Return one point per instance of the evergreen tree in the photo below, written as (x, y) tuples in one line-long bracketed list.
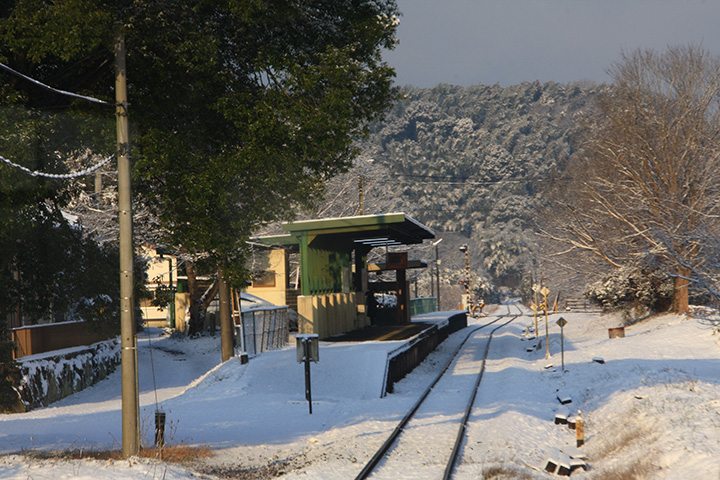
[(239, 108)]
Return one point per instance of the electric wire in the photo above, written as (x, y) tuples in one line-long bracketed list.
[(68, 94), (152, 362), (454, 180), (154, 382), (53, 89), (81, 173)]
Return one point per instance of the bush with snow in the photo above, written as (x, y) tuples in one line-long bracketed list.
[(630, 287)]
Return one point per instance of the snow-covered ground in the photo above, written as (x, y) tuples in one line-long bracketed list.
[(651, 410)]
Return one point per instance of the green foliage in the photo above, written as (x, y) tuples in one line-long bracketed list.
[(50, 271), (243, 134), (9, 372), (239, 108)]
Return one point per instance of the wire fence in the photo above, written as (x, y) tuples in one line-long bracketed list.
[(264, 330), (419, 306)]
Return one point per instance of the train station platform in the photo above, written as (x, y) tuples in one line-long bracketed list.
[(419, 323), (407, 344), (382, 333)]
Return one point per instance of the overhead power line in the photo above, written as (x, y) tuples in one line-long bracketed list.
[(53, 89), (35, 173), (454, 180), (81, 173)]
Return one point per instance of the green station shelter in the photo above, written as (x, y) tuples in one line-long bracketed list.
[(333, 280)]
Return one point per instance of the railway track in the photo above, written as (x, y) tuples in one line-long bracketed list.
[(433, 430)]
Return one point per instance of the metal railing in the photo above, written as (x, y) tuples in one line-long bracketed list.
[(422, 305), (263, 329)]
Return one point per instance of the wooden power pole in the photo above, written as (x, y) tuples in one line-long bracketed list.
[(128, 340)]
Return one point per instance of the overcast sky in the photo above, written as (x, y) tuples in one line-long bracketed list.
[(469, 42)]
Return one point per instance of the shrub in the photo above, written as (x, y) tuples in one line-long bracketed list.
[(633, 286)]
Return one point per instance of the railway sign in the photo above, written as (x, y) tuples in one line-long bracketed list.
[(561, 323), (308, 347), (307, 351)]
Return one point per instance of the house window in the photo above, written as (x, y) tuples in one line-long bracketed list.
[(265, 278)]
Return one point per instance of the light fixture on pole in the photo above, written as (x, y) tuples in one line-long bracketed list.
[(437, 274), (464, 249)]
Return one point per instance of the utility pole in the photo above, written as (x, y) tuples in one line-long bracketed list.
[(128, 340), (464, 249), (437, 273)]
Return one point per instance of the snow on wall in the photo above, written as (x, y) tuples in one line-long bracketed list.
[(49, 377)]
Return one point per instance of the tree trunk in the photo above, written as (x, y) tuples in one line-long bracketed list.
[(681, 301), (226, 324), (194, 294)]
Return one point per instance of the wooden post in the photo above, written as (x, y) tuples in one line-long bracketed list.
[(226, 327), (579, 430), (403, 316)]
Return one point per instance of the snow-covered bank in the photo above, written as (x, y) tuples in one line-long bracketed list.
[(652, 406)]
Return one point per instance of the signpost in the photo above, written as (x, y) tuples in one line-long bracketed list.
[(534, 306), (308, 351), (561, 323), (534, 309), (544, 292)]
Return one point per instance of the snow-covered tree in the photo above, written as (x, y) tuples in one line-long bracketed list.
[(646, 187), (473, 161)]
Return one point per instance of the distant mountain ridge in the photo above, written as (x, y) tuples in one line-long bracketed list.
[(472, 160)]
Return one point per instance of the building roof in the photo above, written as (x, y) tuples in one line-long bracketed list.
[(387, 229)]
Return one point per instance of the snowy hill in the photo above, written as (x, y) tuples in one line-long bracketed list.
[(475, 161), (650, 410)]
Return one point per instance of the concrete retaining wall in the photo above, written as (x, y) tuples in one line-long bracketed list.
[(49, 377), (403, 362)]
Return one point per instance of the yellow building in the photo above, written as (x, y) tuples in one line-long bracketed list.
[(161, 271), (272, 277)]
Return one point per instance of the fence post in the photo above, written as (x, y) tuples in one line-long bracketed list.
[(255, 351)]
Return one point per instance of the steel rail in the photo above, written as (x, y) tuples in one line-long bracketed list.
[(387, 445), (468, 410)]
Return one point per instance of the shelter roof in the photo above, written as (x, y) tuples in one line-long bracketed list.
[(383, 266), (389, 229)]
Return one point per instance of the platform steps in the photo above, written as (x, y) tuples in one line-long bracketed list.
[(582, 305)]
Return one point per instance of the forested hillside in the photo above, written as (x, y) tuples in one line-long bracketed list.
[(473, 161)]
